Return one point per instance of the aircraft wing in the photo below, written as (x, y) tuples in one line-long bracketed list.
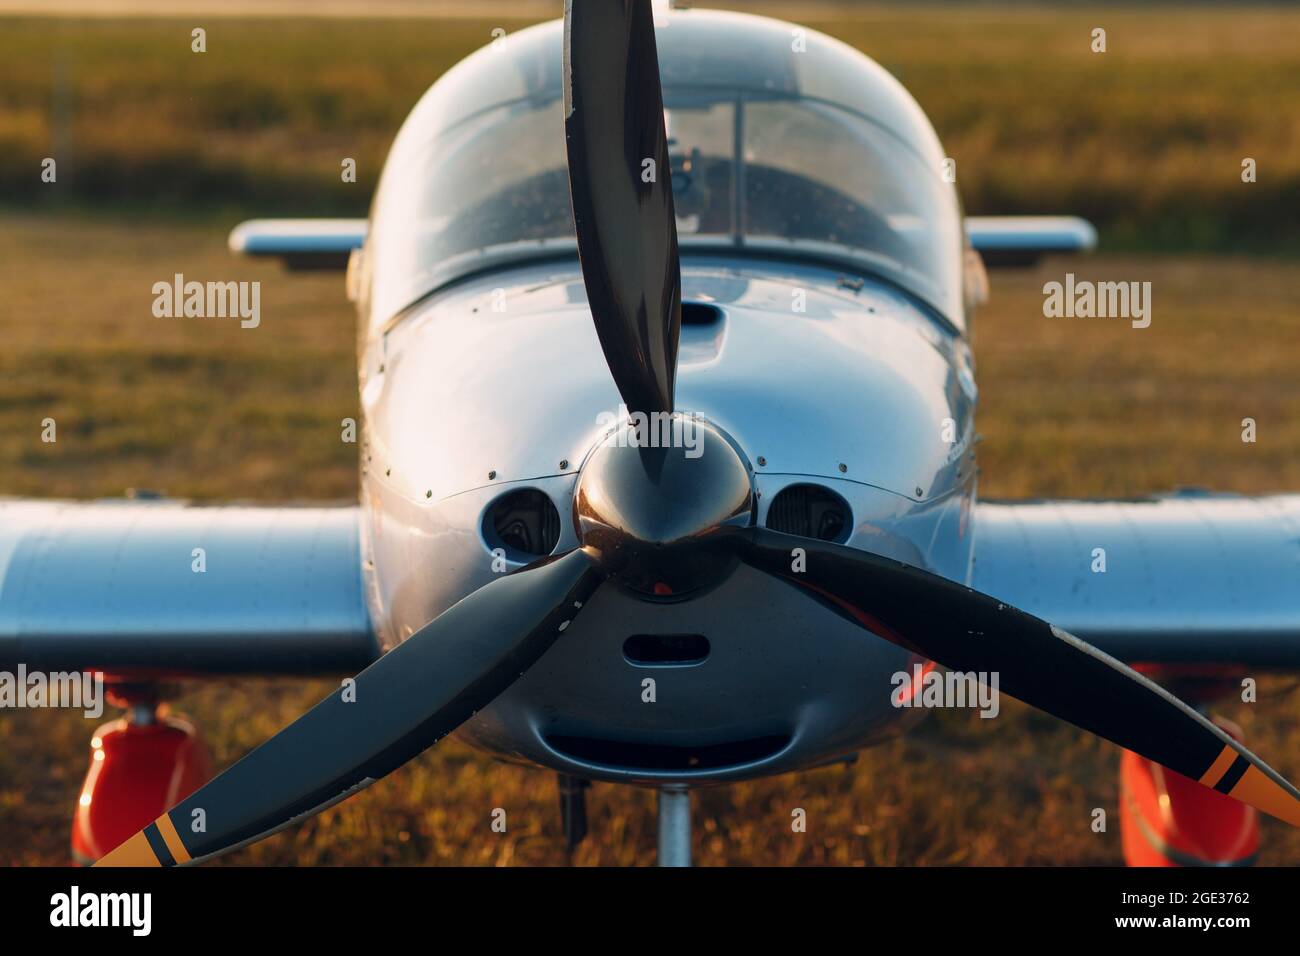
[(1023, 240), (301, 244), (158, 588), (1188, 578)]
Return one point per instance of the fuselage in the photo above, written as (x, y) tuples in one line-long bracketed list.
[(822, 331), (498, 384)]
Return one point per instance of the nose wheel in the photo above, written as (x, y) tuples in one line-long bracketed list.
[(674, 827)]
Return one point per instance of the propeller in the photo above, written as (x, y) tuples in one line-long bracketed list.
[(624, 491), (400, 705), (661, 521), (1039, 664), (620, 181)]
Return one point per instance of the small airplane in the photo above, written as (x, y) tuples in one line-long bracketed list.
[(697, 546)]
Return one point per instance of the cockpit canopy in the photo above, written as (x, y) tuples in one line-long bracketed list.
[(783, 142)]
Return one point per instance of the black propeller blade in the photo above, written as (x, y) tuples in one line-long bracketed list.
[(1037, 663), (620, 180), (402, 704)]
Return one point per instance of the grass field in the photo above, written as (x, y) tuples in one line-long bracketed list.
[(1067, 409), (1146, 139), (170, 152)]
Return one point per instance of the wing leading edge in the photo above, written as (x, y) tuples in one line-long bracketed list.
[(166, 589), (1189, 578)]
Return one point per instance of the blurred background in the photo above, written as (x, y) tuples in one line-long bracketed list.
[(161, 151)]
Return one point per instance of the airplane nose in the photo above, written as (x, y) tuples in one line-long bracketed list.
[(655, 496)]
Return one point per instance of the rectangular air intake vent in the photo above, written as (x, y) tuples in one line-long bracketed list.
[(666, 650)]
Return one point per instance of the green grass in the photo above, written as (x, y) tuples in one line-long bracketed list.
[(1147, 139), (164, 404)]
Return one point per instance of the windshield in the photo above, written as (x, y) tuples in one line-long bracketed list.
[(771, 173)]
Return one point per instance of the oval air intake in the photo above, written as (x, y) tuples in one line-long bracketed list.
[(524, 523), (810, 511)]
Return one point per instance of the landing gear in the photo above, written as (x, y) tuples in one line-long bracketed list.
[(674, 827), (573, 809), (142, 765), (674, 819), (1168, 820)]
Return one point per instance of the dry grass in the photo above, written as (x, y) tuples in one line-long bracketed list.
[(1069, 407)]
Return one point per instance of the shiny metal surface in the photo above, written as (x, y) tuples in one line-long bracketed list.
[(852, 392), (422, 557), (110, 585), (1041, 234), (1188, 578), (286, 237), (1023, 240), (649, 513), (860, 385), (404, 542), (787, 684), (674, 827)]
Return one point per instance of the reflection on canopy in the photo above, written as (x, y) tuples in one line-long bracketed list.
[(762, 163)]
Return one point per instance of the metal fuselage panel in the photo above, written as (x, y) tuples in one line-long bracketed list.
[(500, 384)]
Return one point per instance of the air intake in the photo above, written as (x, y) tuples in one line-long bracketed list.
[(810, 511), (628, 755), (524, 523), (666, 650), (700, 313)]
